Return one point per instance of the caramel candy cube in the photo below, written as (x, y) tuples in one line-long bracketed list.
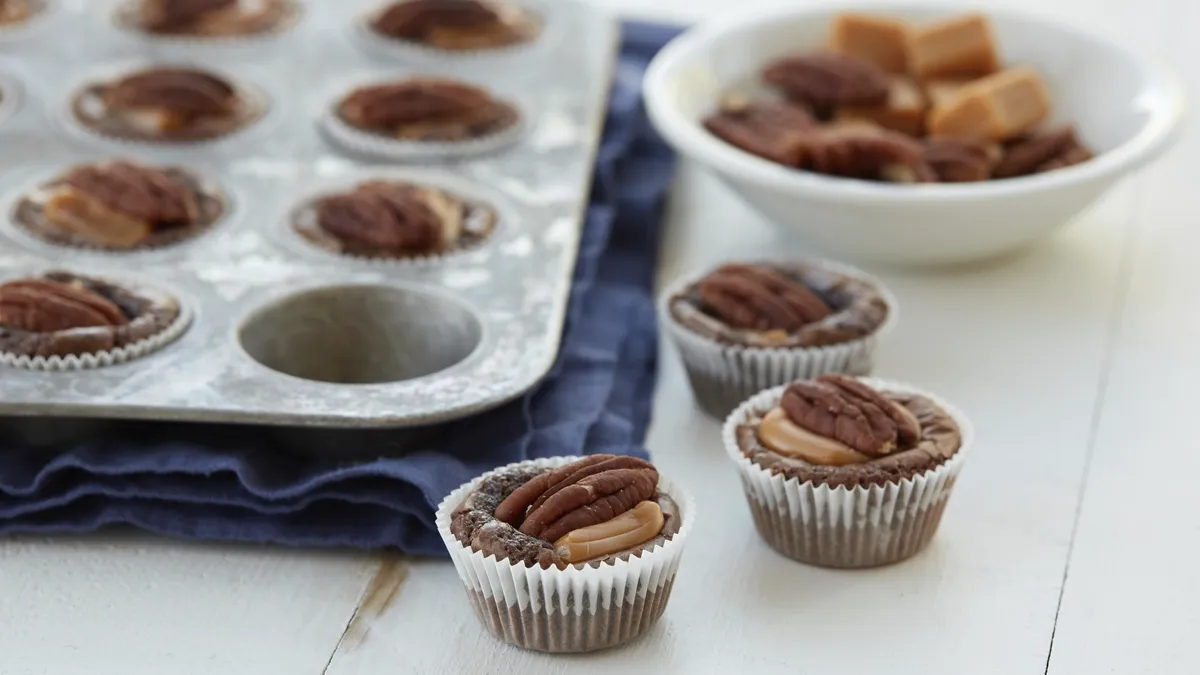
[(960, 46), (997, 107), (903, 112), (941, 91), (880, 40)]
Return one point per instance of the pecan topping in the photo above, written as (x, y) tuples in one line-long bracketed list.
[(845, 410), (174, 14), (591, 491), (424, 100), (141, 192), (955, 160), (827, 79), (1030, 154), (416, 19), (858, 150), (183, 91), (384, 217), (756, 297), (44, 306), (774, 130)]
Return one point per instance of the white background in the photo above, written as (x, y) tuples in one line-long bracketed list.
[(1070, 546)]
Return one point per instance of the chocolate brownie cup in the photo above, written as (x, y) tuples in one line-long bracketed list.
[(606, 521), (208, 18), (885, 452), (426, 109), (456, 25), (747, 326), (120, 206), (167, 104), (65, 320), (394, 220)]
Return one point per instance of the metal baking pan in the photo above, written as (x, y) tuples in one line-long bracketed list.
[(284, 333)]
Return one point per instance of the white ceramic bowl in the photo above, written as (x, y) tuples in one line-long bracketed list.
[(1125, 107)]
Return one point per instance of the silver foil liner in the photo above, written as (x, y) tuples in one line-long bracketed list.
[(723, 375), (579, 609), (845, 527)]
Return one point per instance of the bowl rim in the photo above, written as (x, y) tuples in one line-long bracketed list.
[(691, 138)]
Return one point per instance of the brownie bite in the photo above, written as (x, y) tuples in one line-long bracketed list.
[(599, 509), (887, 453), (120, 205), (426, 109), (170, 104), (209, 18), (457, 25), (394, 219), (64, 314)]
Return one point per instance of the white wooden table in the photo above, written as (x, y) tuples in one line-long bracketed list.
[(1070, 546)]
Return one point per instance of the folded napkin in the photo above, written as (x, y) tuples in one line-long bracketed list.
[(246, 484)]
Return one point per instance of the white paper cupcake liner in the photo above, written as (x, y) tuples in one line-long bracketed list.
[(723, 375), (216, 188), (264, 98), (499, 57), (376, 146), (503, 214), (122, 18), (110, 357), (578, 609), (839, 526)]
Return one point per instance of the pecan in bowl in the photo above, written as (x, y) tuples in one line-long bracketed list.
[(169, 104), (61, 314), (426, 109), (606, 523), (120, 205), (457, 25), (394, 220)]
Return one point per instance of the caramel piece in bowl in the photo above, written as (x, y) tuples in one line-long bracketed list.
[(878, 39), (997, 107), (943, 90), (957, 46), (903, 112)]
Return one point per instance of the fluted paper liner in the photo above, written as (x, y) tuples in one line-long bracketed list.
[(408, 50), (578, 609), (723, 375), (109, 357), (378, 146), (124, 19), (846, 527)]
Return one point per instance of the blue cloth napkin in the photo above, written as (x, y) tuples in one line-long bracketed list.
[(244, 484)]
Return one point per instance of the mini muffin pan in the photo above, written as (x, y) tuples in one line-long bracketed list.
[(284, 331)]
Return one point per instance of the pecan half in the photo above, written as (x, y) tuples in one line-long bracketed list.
[(392, 105), (956, 160), (827, 79), (857, 150), (183, 91), (174, 14), (848, 411), (774, 130), (1028, 154), (757, 297), (416, 19), (142, 192), (588, 492), (44, 306), (382, 216)]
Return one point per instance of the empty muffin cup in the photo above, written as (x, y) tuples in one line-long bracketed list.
[(364, 334)]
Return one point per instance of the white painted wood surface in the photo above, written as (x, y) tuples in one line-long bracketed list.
[(1075, 361)]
